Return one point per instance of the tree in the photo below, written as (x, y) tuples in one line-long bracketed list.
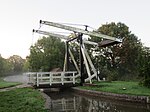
[(144, 66), (1, 65), (119, 60), (16, 62), (26, 65), (46, 54), (5, 66)]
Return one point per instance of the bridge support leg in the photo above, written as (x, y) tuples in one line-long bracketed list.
[(81, 61), (67, 51)]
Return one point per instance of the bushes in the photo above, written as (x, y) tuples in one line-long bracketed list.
[(144, 67), (145, 82), (112, 76)]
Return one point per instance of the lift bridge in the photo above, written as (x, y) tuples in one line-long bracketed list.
[(85, 71)]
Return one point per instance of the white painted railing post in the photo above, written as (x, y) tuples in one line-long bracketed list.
[(29, 78), (37, 80), (62, 78), (33, 78), (41, 78), (73, 78), (50, 78)]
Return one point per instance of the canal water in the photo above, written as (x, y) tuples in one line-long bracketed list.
[(67, 101)]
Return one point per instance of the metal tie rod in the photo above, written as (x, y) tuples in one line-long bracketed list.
[(78, 30)]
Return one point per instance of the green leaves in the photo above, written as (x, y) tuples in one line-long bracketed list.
[(144, 67), (16, 62), (122, 58), (46, 54)]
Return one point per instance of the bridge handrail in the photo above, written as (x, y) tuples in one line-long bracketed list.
[(50, 78)]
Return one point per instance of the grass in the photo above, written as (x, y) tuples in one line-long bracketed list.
[(131, 88), (21, 100), (4, 84)]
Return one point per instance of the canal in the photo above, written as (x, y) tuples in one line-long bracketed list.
[(67, 101)]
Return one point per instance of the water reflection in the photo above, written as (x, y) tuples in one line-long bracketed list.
[(71, 102)]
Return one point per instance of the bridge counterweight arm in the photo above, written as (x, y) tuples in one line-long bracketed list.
[(62, 36), (51, 34), (78, 30)]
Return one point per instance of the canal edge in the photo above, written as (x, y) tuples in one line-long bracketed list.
[(121, 97)]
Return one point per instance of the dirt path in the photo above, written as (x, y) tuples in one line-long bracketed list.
[(14, 87)]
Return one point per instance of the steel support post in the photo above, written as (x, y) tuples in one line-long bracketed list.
[(67, 50), (81, 61)]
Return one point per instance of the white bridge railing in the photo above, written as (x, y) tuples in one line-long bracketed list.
[(41, 78)]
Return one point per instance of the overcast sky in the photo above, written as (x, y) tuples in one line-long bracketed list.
[(19, 17)]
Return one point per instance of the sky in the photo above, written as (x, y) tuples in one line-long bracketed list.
[(19, 17)]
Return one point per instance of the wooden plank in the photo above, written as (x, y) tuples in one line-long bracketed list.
[(37, 80), (86, 65), (45, 82), (73, 78)]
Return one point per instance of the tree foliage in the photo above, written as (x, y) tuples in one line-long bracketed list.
[(2, 65), (46, 54), (144, 66), (16, 62), (11, 65), (120, 60)]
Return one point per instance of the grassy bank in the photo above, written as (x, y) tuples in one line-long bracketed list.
[(4, 84), (120, 87), (21, 100)]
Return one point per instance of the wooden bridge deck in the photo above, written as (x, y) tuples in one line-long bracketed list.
[(67, 85)]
